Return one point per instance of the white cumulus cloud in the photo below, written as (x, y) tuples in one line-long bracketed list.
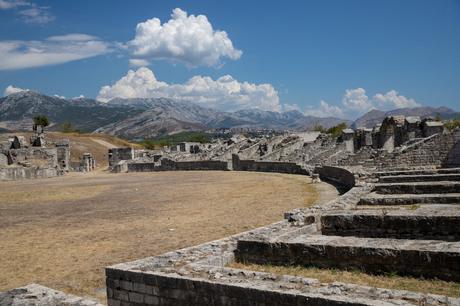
[(324, 110), (18, 54), (355, 102), (392, 100), (224, 93), (187, 39), (12, 90), (356, 99)]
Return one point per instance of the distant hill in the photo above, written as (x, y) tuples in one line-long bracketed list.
[(142, 118), (373, 117), (17, 111)]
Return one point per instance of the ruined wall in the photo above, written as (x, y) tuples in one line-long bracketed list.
[(337, 176), (433, 151), (128, 288), (402, 226), (266, 166), (453, 158), (21, 173), (136, 167), (369, 255), (118, 154), (170, 165), (33, 163), (46, 157)]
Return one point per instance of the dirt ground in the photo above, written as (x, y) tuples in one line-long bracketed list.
[(61, 232)]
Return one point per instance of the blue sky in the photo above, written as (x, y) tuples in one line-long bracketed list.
[(338, 58)]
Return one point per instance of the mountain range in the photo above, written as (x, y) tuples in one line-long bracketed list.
[(151, 117), (143, 118)]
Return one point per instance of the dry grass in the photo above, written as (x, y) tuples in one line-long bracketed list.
[(357, 277), (61, 232), (83, 143)]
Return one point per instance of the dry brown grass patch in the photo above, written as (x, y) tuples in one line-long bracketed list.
[(358, 277)]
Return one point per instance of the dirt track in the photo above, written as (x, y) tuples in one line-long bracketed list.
[(61, 232)]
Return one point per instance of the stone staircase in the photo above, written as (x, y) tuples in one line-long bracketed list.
[(422, 240), (408, 187)]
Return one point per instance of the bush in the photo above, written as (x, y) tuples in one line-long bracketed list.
[(67, 127), (452, 124), (337, 130)]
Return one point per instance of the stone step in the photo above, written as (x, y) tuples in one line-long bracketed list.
[(417, 172), (433, 223), (409, 199), (419, 258), (418, 187), (420, 178)]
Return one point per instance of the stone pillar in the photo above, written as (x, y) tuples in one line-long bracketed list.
[(348, 139), (86, 162)]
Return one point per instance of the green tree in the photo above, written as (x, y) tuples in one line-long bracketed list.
[(336, 131), (41, 120)]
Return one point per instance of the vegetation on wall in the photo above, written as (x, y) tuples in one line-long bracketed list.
[(335, 131), (452, 124)]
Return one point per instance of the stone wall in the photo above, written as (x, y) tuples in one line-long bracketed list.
[(135, 289), (453, 158), (432, 151), (170, 165), (47, 157), (337, 176), (439, 150), (167, 164), (266, 166), (118, 154), (407, 257), (401, 224), (136, 167), (20, 173)]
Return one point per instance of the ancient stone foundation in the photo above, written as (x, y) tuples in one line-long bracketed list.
[(338, 234)]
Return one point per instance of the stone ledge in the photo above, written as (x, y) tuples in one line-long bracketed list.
[(37, 295), (427, 258)]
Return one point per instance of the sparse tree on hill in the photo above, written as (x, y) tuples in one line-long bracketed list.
[(41, 120)]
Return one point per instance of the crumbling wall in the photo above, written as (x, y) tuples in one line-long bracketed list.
[(432, 151), (337, 176), (453, 158), (118, 154), (167, 164), (20, 173), (171, 165), (266, 166), (136, 167)]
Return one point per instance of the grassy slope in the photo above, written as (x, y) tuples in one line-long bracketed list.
[(83, 143)]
